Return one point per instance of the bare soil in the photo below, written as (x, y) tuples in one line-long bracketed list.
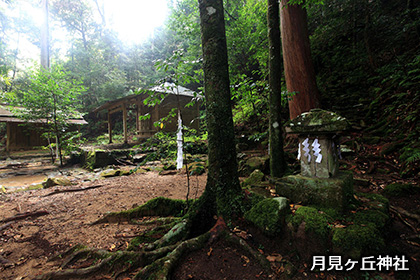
[(26, 245)]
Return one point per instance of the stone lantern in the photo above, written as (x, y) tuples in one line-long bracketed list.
[(318, 131)]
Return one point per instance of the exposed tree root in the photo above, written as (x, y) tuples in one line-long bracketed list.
[(399, 212), (156, 261), (73, 190), (6, 225), (159, 206), (25, 215), (161, 268)]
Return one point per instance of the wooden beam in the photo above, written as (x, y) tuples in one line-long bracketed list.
[(137, 117), (8, 131), (125, 124), (109, 128)]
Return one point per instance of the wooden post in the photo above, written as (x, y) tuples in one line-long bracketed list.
[(8, 133), (109, 127), (125, 123), (137, 117)]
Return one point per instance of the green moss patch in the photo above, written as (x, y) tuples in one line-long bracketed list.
[(269, 215), (255, 178), (372, 217), (356, 240), (159, 206), (316, 222)]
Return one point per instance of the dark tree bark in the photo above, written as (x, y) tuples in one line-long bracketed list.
[(298, 67), (277, 162), (222, 193)]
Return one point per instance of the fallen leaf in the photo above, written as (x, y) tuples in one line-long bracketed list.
[(245, 259), (275, 258), (112, 247)]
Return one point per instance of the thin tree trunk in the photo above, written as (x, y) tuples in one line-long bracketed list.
[(45, 44), (223, 189), (298, 67), (277, 162)]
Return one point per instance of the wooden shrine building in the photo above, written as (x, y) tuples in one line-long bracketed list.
[(22, 135), (170, 97)]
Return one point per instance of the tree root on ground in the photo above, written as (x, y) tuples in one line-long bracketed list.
[(22, 216), (73, 190), (159, 206), (155, 261)]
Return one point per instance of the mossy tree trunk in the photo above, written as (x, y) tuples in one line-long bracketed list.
[(222, 195), (298, 67), (277, 162)]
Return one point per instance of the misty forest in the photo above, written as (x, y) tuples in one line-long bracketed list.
[(209, 139)]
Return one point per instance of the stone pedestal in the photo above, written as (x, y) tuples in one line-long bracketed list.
[(333, 192)]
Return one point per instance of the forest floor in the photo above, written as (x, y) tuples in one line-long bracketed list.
[(60, 220)]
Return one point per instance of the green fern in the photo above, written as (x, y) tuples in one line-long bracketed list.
[(410, 155)]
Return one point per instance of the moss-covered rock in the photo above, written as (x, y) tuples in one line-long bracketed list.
[(247, 166), (317, 121), (356, 240), (114, 172), (397, 190), (376, 218), (255, 178), (316, 222), (336, 192), (269, 215), (50, 182)]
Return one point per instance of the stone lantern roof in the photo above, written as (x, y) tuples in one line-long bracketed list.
[(317, 121)]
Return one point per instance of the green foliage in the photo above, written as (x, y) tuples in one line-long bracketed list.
[(51, 98), (163, 145)]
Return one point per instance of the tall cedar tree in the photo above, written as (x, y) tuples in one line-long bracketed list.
[(223, 192), (298, 68), (277, 162)]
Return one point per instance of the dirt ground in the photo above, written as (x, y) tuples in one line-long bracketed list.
[(27, 244)]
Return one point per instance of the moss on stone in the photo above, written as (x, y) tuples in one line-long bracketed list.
[(397, 190), (356, 240), (269, 215), (114, 172), (373, 217), (316, 222), (319, 121), (335, 192), (254, 178)]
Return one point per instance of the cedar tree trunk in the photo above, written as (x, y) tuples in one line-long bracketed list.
[(277, 162), (298, 67), (222, 195)]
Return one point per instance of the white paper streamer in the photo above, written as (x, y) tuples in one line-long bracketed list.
[(317, 151), (299, 153), (179, 158), (306, 149)]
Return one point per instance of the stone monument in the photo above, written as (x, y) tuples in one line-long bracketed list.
[(320, 182)]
